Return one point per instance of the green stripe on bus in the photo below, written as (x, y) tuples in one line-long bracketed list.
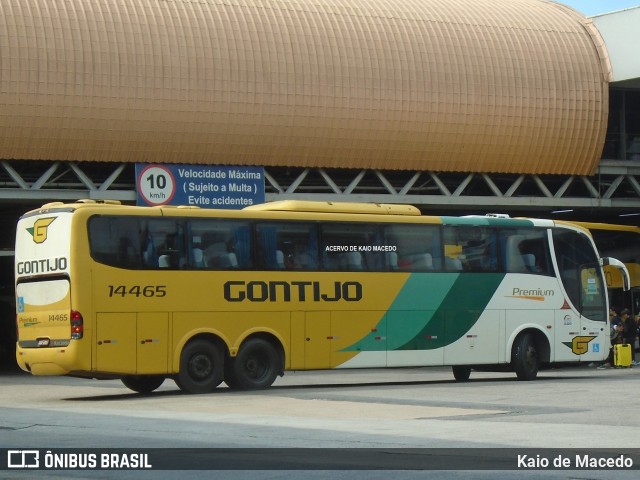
[(457, 313), (421, 294), (432, 311)]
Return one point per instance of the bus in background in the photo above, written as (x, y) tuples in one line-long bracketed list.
[(205, 296), (621, 242)]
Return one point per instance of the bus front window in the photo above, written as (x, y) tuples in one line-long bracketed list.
[(578, 269)]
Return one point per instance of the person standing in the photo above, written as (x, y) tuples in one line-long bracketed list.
[(629, 332), (615, 322)]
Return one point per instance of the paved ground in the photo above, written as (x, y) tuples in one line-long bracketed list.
[(581, 408)]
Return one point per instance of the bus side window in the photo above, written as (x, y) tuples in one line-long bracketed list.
[(219, 244), (525, 251), (513, 259), (479, 250), (349, 246), (267, 247), (128, 255), (417, 247), (472, 249), (113, 241), (214, 254), (287, 246), (198, 258), (164, 244), (453, 264), (149, 255)]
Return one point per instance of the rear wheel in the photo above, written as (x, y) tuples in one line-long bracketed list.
[(255, 367), (229, 374), (143, 383), (461, 373), (525, 359), (201, 367)]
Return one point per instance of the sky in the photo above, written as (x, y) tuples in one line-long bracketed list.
[(595, 7)]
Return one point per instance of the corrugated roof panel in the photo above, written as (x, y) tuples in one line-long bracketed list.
[(515, 86)]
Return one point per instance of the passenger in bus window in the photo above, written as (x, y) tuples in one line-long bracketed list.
[(480, 255), (128, 256), (301, 258)]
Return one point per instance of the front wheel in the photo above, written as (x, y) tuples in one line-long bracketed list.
[(461, 373), (255, 367), (143, 383), (201, 367), (525, 359)]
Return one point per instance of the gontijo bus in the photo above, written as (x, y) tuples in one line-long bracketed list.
[(205, 296), (623, 243)]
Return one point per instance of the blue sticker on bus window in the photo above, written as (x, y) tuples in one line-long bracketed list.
[(20, 304)]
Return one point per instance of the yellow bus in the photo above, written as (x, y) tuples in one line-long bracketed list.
[(623, 243), (240, 296)]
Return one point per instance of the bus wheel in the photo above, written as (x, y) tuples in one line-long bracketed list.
[(143, 384), (201, 367), (229, 374), (461, 373), (256, 366), (525, 358)]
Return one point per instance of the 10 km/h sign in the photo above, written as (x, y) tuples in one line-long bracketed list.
[(198, 185), (156, 185)]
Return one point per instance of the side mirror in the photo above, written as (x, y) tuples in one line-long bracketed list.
[(614, 262)]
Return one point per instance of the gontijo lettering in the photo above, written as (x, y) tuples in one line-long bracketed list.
[(45, 265), (260, 291)]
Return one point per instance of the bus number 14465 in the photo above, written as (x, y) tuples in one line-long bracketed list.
[(137, 290)]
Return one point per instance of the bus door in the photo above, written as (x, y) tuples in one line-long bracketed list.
[(581, 318), (358, 337), (567, 327), (152, 347), (334, 338), (116, 342), (131, 343), (317, 344), (582, 335), (415, 337)]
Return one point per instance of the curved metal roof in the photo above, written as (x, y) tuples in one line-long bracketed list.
[(517, 86)]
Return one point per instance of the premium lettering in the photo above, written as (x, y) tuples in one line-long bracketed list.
[(260, 291), (532, 292)]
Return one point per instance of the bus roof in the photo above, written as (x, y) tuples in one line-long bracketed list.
[(608, 226), (298, 209), (335, 207)]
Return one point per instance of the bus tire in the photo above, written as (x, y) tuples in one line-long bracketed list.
[(255, 367), (461, 373), (524, 358), (201, 367), (229, 374), (142, 383)]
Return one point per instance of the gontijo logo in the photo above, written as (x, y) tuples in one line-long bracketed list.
[(39, 229), (580, 345)]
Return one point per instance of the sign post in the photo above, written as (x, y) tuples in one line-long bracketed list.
[(199, 185)]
